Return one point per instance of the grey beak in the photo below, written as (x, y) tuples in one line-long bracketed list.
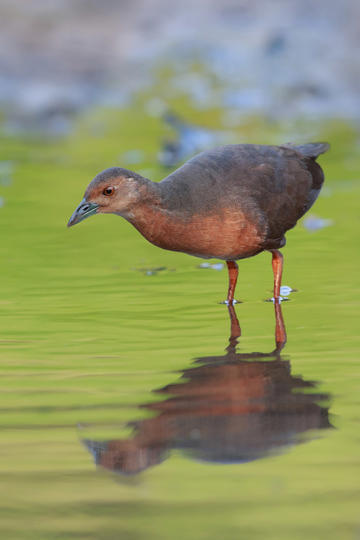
[(83, 211), (95, 448)]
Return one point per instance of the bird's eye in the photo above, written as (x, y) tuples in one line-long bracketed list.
[(108, 190)]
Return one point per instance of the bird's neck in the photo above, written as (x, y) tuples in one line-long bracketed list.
[(148, 211)]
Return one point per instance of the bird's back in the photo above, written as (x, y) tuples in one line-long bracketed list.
[(272, 185)]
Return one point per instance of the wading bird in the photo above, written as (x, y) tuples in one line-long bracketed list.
[(229, 203)]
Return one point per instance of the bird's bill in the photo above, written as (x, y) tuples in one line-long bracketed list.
[(83, 211)]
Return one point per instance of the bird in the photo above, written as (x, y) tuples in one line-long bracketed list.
[(230, 203)]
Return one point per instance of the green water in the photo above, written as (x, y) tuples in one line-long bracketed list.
[(86, 338)]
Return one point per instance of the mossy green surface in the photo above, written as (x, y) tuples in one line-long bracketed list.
[(85, 337)]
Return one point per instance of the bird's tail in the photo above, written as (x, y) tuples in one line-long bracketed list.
[(311, 150)]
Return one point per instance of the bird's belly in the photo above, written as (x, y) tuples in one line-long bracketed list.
[(229, 236)]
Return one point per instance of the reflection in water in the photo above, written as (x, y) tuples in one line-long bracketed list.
[(228, 409)]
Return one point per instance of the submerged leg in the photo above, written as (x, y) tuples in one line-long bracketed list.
[(235, 330), (277, 264), (233, 275), (280, 331)]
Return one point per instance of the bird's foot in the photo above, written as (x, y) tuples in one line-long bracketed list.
[(226, 302), (285, 292), (277, 299)]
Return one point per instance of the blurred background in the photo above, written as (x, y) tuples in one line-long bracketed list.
[(283, 59), (100, 329)]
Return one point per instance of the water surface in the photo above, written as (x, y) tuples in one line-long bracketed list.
[(243, 443)]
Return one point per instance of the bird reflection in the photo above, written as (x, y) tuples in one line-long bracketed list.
[(234, 408)]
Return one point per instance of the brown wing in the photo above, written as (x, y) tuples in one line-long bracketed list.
[(274, 185)]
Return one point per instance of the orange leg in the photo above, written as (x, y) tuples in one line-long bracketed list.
[(233, 275), (235, 330), (280, 331), (277, 264)]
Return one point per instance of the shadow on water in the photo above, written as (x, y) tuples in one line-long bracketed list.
[(234, 408)]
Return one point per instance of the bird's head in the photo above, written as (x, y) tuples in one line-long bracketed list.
[(113, 191)]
